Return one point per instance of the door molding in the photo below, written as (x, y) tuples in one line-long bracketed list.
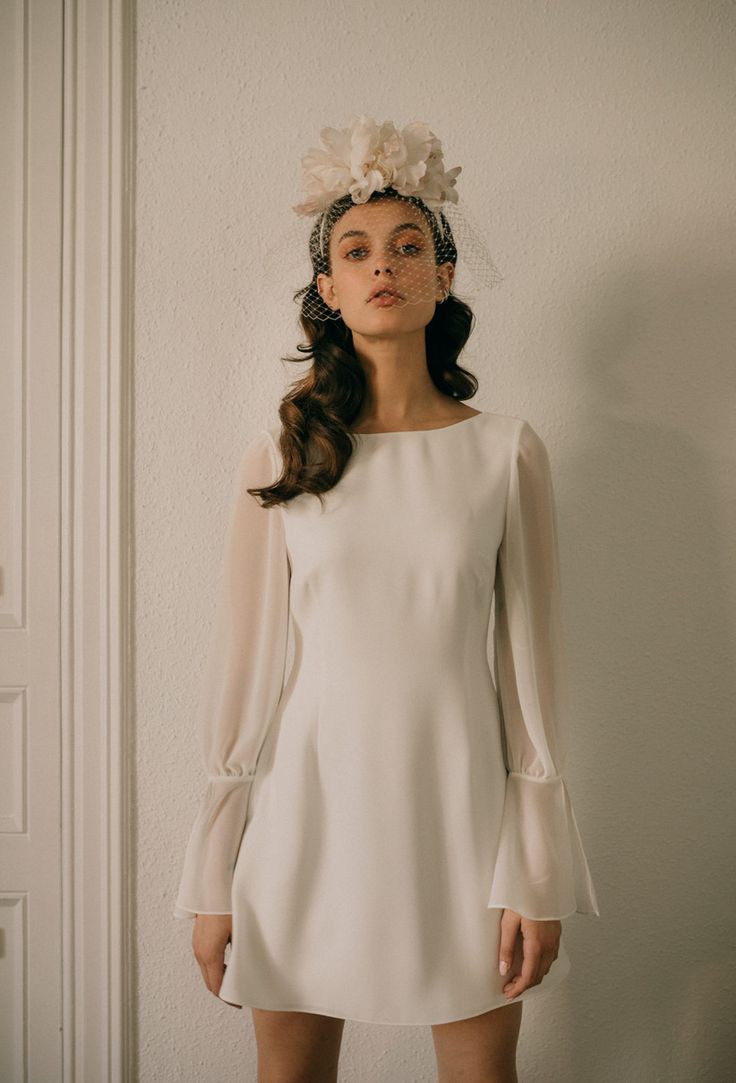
[(96, 539)]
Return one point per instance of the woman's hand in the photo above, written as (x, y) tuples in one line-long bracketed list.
[(211, 933), (528, 957)]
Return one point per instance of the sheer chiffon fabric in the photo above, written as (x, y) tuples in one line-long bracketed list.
[(243, 682)]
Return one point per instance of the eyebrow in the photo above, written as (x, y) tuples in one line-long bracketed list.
[(396, 229)]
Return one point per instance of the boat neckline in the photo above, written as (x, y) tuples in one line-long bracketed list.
[(415, 432)]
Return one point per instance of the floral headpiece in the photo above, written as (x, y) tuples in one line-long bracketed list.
[(365, 158)]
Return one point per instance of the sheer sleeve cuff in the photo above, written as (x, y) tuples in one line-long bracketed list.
[(541, 871), (213, 846)]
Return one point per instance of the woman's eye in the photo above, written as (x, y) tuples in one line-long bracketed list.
[(408, 244)]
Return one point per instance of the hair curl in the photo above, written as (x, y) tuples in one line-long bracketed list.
[(316, 412)]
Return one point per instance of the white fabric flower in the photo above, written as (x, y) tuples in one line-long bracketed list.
[(365, 158)]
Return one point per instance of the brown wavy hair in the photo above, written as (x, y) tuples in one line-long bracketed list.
[(319, 408)]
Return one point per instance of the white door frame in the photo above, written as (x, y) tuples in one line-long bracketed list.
[(96, 533)]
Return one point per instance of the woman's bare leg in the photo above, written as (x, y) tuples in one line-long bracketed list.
[(297, 1047), (481, 1049)]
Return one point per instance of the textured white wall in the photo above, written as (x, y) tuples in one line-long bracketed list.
[(597, 145)]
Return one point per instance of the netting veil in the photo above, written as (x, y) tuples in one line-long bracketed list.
[(380, 227)]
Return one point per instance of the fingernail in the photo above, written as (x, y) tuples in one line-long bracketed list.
[(503, 967)]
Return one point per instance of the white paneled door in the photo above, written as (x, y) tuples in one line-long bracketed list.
[(64, 347)]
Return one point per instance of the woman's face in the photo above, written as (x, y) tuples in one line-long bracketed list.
[(384, 243)]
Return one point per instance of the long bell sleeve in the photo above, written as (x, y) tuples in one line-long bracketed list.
[(541, 870), (243, 682)]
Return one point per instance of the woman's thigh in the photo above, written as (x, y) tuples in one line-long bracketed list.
[(297, 1047), (481, 1049)]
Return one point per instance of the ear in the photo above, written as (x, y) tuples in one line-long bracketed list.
[(326, 290), (445, 275)]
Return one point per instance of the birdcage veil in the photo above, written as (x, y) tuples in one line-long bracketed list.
[(379, 205)]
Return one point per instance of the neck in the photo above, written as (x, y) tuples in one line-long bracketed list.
[(399, 389)]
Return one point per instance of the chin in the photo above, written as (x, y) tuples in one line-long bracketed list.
[(370, 319)]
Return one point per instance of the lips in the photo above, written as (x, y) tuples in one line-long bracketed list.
[(385, 291)]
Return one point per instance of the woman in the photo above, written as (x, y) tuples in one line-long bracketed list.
[(385, 834)]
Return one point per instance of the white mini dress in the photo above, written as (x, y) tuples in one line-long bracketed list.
[(382, 726)]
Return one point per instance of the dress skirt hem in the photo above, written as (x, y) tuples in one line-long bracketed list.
[(555, 976)]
